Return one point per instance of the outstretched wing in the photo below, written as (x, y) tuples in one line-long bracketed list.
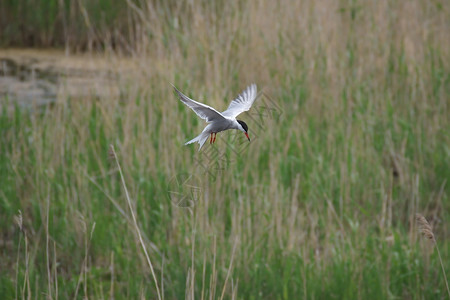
[(242, 103), (202, 110)]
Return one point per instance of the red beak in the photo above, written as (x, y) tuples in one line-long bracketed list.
[(246, 134)]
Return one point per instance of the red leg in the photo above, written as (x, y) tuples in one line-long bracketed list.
[(215, 135), (210, 138)]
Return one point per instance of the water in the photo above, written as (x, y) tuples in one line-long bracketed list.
[(25, 85), (35, 78)]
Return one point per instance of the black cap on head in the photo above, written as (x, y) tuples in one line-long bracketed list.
[(243, 125)]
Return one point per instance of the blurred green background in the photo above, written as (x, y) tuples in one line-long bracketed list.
[(320, 205)]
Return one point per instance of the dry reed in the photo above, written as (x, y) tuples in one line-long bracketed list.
[(427, 231), (136, 226)]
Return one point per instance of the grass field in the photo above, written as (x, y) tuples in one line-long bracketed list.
[(351, 138)]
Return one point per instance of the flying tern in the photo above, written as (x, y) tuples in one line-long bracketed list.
[(220, 121)]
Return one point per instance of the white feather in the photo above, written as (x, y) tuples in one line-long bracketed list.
[(242, 103)]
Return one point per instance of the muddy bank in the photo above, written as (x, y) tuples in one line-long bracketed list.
[(39, 77)]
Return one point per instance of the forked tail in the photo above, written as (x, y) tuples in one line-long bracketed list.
[(201, 139)]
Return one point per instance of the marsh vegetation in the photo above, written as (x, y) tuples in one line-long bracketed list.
[(320, 205)]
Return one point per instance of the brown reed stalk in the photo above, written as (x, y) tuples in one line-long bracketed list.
[(112, 153), (427, 231), (26, 289)]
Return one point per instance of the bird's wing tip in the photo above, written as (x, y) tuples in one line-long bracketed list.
[(253, 86)]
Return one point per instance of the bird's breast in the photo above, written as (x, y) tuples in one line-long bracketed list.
[(221, 126)]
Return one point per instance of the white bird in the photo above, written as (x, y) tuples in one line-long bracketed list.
[(220, 121)]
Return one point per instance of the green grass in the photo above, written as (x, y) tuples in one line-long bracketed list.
[(321, 203)]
